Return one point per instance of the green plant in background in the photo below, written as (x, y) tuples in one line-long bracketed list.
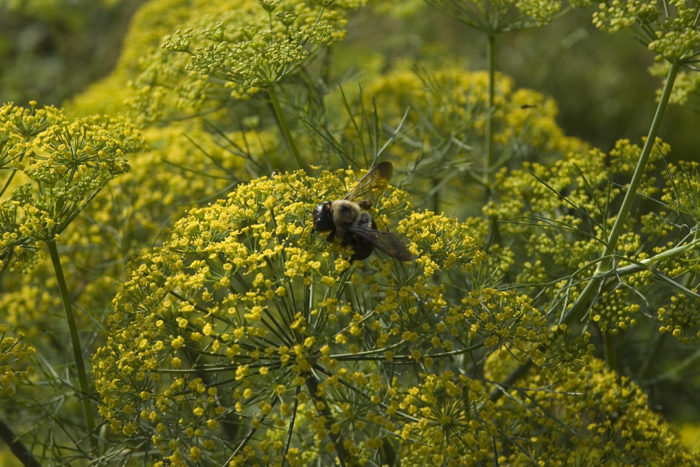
[(238, 336), (493, 18), (672, 34), (442, 138), (52, 168), (256, 46), (62, 44), (598, 292), (621, 286)]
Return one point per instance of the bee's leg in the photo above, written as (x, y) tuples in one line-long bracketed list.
[(357, 251), (346, 238), (331, 236), (362, 248)]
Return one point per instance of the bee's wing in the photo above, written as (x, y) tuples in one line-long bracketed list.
[(372, 184), (388, 242)]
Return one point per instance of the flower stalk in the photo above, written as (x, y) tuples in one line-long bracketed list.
[(17, 447), (584, 299), (284, 127), (324, 411), (75, 343)]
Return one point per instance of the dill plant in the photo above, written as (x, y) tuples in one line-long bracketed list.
[(492, 19), (589, 294), (52, 168), (236, 53), (442, 139), (244, 338)]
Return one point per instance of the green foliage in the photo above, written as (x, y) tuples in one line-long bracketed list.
[(551, 309)]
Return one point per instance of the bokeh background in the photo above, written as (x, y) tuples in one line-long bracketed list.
[(51, 50)]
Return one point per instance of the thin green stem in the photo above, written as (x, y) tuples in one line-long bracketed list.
[(518, 373), (344, 457), (490, 63), (8, 182), (610, 351), (656, 344), (284, 127), (621, 218), (583, 301), (75, 342)]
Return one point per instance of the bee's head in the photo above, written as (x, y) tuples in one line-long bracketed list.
[(323, 218)]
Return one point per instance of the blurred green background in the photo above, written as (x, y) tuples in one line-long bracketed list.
[(52, 49)]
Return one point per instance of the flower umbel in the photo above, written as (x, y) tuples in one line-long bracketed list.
[(246, 325), (56, 167)]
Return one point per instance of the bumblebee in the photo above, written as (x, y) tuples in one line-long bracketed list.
[(349, 220)]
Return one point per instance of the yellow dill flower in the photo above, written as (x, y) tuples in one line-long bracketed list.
[(58, 165), (181, 56), (317, 338), (15, 356)]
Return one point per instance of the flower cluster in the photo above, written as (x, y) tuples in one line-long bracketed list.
[(584, 411), (500, 16), (681, 317), (54, 166), (14, 361), (248, 336), (456, 103), (129, 215), (27, 303), (587, 413), (224, 52)]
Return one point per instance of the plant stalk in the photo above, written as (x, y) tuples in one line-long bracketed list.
[(610, 351), (17, 447), (284, 127), (344, 457), (491, 66), (75, 342), (582, 303)]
